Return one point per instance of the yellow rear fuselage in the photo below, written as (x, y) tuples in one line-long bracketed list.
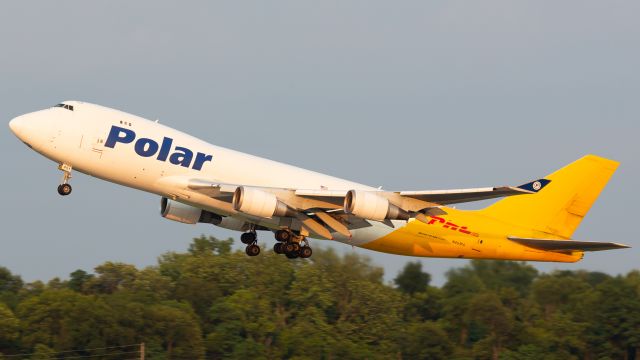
[(465, 234)]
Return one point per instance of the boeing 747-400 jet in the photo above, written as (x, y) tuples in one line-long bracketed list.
[(202, 183)]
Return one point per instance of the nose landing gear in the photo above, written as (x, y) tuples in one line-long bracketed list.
[(64, 189)]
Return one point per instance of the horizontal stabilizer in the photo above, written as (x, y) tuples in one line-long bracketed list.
[(566, 245)]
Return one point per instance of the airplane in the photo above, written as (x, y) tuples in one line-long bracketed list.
[(202, 183)]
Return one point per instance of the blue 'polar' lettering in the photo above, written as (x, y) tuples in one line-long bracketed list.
[(146, 147)]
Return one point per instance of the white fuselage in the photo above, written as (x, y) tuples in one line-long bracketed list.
[(81, 138)]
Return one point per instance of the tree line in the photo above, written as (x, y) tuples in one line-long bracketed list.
[(215, 303)]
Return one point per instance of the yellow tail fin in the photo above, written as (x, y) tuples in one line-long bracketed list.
[(559, 207)]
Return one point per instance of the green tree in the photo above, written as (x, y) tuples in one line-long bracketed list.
[(494, 321), (425, 340), (613, 315), (462, 284), (77, 279), (10, 286), (9, 282), (498, 274), (212, 302), (412, 279), (210, 245), (66, 320), (425, 305), (246, 325), (43, 352), (9, 328), (554, 291), (112, 276), (174, 325)]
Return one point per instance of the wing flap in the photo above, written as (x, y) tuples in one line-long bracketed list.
[(566, 245), (333, 223)]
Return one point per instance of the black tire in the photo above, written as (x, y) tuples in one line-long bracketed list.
[(248, 238), (283, 235), (296, 247), (252, 250), (292, 255), (64, 189), (306, 252), (289, 248), (277, 248)]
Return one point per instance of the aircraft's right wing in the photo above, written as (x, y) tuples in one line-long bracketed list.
[(446, 197), (566, 245)]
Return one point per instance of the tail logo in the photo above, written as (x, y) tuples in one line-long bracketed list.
[(537, 185)]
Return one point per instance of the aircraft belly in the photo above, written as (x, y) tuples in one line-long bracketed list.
[(424, 240)]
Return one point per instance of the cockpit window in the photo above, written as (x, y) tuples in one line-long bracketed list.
[(68, 107)]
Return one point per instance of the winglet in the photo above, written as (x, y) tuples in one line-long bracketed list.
[(534, 186)]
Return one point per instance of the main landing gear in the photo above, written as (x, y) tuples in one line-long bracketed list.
[(64, 189), (292, 245), (250, 239)]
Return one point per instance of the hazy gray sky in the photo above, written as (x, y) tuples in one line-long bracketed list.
[(403, 94)]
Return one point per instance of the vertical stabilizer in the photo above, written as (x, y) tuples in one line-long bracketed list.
[(559, 208)]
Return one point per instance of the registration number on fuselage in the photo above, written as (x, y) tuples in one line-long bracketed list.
[(146, 147)]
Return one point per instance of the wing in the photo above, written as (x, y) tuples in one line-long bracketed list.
[(322, 211), (566, 245), (447, 197), (334, 199)]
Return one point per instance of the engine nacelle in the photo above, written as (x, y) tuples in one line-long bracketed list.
[(259, 203), (369, 205), (186, 214)]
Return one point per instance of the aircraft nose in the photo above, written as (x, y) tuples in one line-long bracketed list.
[(23, 126), (17, 125)]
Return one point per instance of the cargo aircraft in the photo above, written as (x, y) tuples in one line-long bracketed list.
[(202, 183)]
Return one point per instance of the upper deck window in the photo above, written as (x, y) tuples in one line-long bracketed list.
[(68, 107)]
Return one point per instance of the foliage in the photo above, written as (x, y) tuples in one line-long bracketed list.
[(412, 279), (215, 303)]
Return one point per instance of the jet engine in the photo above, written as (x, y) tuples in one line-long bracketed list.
[(187, 214), (259, 203), (369, 205)]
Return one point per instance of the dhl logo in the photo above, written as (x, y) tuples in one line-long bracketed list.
[(451, 226)]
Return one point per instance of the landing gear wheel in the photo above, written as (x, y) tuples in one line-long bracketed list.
[(291, 250), (64, 189), (283, 235), (289, 247), (252, 250), (292, 255), (248, 238), (305, 252), (277, 248)]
